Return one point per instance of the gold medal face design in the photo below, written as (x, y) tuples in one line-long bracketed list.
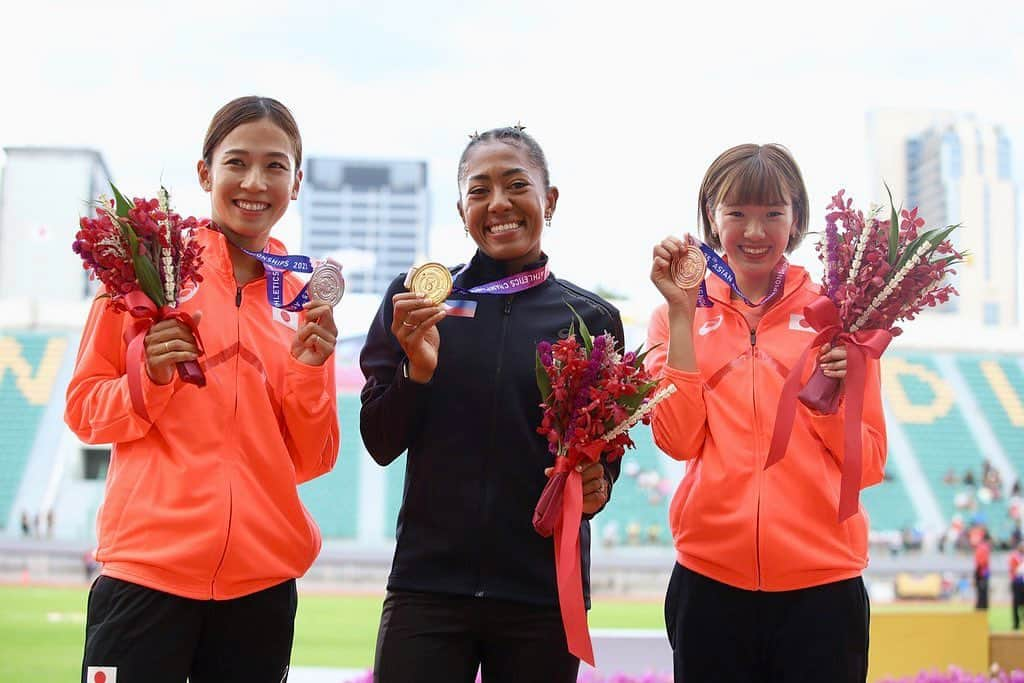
[(431, 280), (688, 270), (327, 284)]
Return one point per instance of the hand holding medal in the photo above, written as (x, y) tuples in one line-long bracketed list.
[(678, 270), (315, 339), (415, 315)]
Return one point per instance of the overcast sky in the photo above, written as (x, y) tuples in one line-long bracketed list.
[(630, 104)]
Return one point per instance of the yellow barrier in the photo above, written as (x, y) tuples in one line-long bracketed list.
[(904, 643)]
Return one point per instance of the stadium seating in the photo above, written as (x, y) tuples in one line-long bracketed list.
[(29, 363)]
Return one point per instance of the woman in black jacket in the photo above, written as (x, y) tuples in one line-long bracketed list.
[(472, 584)]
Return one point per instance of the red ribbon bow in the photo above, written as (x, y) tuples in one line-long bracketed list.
[(146, 314), (823, 316)]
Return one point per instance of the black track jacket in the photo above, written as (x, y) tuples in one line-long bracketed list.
[(475, 464)]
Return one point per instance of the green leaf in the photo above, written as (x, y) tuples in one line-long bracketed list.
[(936, 237), (588, 341), (894, 228), (145, 271), (543, 381), (640, 356), (631, 402), (122, 205), (149, 279)]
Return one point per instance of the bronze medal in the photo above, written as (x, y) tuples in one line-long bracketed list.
[(688, 270)]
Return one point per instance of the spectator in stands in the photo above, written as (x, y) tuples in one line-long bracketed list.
[(761, 555), (26, 526), (472, 581), (202, 533), (969, 478), (1015, 491), (49, 523), (982, 553), (992, 481), (950, 477), (1017, 583)]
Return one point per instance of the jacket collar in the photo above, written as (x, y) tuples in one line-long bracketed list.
[(216, 255), (796, 277), (482, 268)]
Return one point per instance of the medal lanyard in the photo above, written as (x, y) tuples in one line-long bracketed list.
[(718, 266)]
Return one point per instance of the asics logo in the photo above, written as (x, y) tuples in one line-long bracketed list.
[(710, 326)]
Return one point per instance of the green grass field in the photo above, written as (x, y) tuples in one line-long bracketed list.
[(42, 629)]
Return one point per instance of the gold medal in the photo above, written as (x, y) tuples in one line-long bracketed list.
[(431, 280), (688, 270), (326, 283)]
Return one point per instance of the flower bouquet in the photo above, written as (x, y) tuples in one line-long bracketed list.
[(592, 394), (143, 253), (877, 273)]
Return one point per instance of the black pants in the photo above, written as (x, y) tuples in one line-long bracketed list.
[(155, 637), (427, 637), (981, 586), (1017, 590), (728, 635)]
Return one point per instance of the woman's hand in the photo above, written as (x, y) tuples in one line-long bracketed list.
[(315, 338), (680, 301), (833, 361), (595, 486), (168, 343), (414, 324)]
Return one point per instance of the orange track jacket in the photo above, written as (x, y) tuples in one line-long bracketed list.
[(201, 500), (731, 519)]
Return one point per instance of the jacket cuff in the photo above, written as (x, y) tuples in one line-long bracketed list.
[(682, 376), (305, 379), (157, 396), (830, 427)]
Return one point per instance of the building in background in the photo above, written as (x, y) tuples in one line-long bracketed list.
[(43, 193), (372, 216), (957, 169)]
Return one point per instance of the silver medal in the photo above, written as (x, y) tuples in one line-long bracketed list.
[(326, 283)]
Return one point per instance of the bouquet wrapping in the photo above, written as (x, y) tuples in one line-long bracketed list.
[(877, 273), (592, 394), (143, 253)]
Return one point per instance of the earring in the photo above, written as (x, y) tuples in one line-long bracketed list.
[(466, 228), (547, 219)]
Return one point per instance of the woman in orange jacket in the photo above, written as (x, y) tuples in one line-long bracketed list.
[(202, 533), (767, 585)]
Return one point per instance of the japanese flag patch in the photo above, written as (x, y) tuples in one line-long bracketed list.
[(101, 674)]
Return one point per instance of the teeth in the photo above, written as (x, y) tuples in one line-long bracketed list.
[(754, 252), (251, 206), (504, 227)]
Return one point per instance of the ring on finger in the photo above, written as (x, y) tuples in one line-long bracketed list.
[(406, 323), (167, 347)]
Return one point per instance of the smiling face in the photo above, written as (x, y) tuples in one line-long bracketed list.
[(754, 237), (504, 201), (251, 177)]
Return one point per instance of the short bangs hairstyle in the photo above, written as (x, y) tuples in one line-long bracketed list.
[(753, 174)]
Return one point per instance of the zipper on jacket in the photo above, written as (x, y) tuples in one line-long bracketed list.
[(757, 450), (227, 540), (238, 297), (506, 314)]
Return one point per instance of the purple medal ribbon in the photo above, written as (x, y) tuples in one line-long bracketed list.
[(511, 284), (275, 266), (718, 266)]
